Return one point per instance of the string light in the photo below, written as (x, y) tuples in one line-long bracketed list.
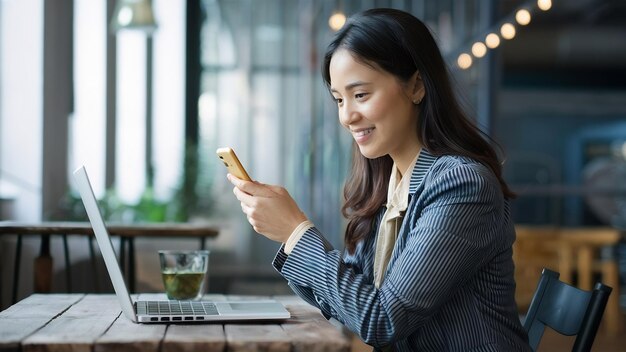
[(544, 5), (336, 21), (464, 61), (522, 17), (479, 49), (507, 31), (492, 40)]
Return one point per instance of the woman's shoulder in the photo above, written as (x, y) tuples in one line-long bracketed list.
[(456, 169), (446, 163)]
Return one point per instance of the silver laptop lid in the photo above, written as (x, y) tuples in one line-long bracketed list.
[(104, 242)]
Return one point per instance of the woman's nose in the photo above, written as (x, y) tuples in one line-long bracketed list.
[(348, 114)]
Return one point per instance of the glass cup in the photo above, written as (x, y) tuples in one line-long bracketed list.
[(183, 273)]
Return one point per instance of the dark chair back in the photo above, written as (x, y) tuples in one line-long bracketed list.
[(566, 309)]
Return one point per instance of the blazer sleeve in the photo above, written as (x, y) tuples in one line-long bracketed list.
[(447, 243), (306, 293)]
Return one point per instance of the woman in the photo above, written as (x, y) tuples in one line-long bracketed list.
[(428, 264)]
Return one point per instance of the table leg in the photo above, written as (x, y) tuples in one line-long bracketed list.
[(565, 263), (585, 270), (123, 255), (68, 270), (610, 277), (43, 267), (94, 268), (131, 264), (16, 268)]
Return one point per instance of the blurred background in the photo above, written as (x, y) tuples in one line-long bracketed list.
[(144, 104)]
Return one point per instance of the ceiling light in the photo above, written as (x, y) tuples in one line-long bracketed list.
[(492, 40), (479, 49), (544, 5), (464, 61), (507, 31), (522, 17), (336, 21)]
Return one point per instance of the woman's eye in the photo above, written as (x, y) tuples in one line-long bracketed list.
[(360, 95), (338, 100)]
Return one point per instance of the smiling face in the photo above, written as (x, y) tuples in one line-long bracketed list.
[(376, 108)]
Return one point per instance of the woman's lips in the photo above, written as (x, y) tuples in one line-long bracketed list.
[(362, 135)]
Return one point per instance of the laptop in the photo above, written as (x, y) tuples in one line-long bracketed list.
[(159, 311)]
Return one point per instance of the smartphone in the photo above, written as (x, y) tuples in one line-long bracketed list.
[(232, 163)]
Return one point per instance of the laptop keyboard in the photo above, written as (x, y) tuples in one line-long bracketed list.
[(176, 308)]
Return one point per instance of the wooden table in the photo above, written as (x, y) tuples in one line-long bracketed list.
[(94, 322), (127, 233), (568, 251)]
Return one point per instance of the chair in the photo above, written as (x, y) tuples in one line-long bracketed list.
[(566, 309)]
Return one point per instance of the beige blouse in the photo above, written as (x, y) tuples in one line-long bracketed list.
[(397, 202)]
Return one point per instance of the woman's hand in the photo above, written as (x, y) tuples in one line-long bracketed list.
[(270, 209)]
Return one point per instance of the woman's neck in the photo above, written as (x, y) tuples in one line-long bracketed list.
[(403, 161)]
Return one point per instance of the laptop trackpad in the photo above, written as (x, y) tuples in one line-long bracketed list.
[(251, 307)]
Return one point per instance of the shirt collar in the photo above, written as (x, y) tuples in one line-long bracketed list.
[(423, 164), (398, 192)]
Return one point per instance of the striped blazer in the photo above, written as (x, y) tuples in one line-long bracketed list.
[(449, 284)]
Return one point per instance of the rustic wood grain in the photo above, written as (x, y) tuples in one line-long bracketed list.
[(77, 328), (190, 338), (304, 312), (316, 336), (27, 316), (310, 331), (253, 337), (95, 323), (124, 335)]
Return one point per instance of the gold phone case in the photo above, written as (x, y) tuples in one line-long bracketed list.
[(232, 163)]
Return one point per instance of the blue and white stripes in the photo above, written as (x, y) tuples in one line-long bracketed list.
[(449, 283)]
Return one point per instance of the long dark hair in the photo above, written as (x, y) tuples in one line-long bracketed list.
[(400, 44)]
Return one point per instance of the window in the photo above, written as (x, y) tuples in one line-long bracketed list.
[(21, 104), (88, 123)]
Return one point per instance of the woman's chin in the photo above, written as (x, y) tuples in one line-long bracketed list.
[(370, 153)]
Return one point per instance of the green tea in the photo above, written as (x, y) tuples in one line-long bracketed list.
[(182, 284)]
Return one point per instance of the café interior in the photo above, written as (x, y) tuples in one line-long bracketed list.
[(143, 92)]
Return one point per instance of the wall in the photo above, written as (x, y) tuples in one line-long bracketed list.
[(539, 129)]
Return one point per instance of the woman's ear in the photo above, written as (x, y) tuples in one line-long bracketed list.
[(418, 91)]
